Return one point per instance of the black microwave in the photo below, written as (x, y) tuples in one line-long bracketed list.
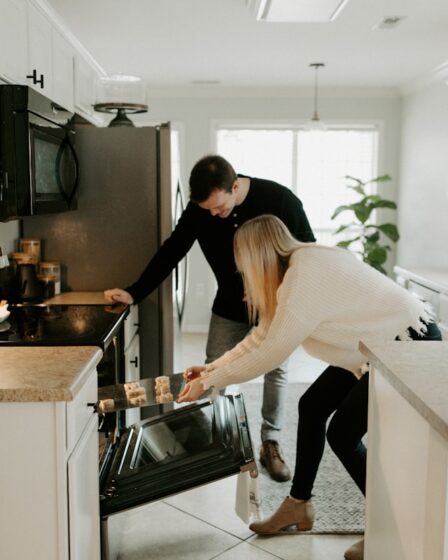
[(39, 168)]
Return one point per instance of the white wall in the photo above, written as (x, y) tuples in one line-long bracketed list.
[(9, 234), (423, 211), (196, 113)]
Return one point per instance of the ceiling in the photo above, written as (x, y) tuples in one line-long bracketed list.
[(182, 42)]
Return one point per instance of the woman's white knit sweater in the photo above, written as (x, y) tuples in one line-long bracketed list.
[(328, 301)]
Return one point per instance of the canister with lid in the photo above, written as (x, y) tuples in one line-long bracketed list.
[(31, 247), (51, 269)]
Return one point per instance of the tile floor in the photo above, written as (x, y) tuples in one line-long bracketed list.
[(201, 524)]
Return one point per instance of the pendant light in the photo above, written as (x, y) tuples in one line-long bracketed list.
[(315, 123)]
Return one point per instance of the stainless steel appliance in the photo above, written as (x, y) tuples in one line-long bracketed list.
[(38, 162), (123, 216)]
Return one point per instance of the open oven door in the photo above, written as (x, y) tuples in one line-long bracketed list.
[(177, 451)]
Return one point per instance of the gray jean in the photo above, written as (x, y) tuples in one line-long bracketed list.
[(224, 334)]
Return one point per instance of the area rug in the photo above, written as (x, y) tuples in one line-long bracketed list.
[(338, 502)]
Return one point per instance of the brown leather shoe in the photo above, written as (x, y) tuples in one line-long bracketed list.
[(271, 457), (356, 551), (289, 514)]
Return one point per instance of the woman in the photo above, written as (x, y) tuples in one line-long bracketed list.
[(327, 300)]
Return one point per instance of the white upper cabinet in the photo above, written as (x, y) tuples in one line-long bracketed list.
[(13, 41), (38, 50), (39, 74), (63, 60)]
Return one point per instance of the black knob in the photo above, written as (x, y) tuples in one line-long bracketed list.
[(41, 81), (33, 76), (134, 361)]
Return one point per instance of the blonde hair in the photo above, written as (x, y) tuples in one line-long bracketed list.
[(262, 248)]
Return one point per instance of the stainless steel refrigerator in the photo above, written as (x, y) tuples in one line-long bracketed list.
[(123, 216)]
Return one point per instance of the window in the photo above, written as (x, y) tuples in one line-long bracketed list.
[(312, 163)]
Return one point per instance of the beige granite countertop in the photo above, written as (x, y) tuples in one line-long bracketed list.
[(419, 372), (435, 278), (78, 298), (45, 373)]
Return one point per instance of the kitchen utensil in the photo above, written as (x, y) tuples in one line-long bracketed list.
[(27, 285), (140, 394)]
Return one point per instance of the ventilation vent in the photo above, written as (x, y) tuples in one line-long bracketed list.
[(389, 22)]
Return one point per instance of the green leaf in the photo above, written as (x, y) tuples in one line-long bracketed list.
[(379, 267), (357, 188), (342, 228), (340, 209), (351, 178), (380, 179), (374, 237), (361, 212), (390, 231), (345, 244), (385, 204), (376, 256)]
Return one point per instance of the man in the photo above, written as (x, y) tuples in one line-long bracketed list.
[(220, 201)]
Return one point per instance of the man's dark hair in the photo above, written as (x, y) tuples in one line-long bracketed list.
[(209, 174)]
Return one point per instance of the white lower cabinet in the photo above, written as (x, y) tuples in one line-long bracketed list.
[(49, 495), (83, 493)]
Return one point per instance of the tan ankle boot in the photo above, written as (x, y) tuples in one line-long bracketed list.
[(290, 513), (356, 551)]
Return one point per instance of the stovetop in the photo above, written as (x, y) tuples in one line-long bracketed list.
[(62, 325)]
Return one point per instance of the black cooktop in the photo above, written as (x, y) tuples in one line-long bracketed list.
[(62, 325)]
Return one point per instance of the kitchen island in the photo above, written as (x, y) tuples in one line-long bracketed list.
[(49, 453), (407, 470)]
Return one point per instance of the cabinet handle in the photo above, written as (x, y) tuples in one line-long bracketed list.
[(136, 324), (33, 77), (134, 361)]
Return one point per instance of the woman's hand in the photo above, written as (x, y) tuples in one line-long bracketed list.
[(192, 391), (193, 372), (116, 295)]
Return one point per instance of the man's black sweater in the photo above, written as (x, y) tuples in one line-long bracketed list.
[(215, 237)]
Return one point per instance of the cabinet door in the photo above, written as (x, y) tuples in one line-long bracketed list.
[(83, 492), (39, 50), (13, 41), (63, 56)]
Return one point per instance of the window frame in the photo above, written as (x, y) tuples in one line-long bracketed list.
[(376, 125)]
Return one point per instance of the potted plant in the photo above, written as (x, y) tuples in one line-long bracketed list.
[(370, 237)]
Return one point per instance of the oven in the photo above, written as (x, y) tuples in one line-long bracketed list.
[(177, 448)]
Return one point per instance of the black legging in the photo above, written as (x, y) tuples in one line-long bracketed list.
[(336, 390)]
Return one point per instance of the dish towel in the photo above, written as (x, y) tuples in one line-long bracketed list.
[(248, 500)]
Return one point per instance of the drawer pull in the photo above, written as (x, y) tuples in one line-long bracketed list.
[(134, 361)]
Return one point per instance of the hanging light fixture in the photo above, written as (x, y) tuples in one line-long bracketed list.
[(315, 123)]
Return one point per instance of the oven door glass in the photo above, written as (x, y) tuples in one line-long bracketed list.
[(177, 451)]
